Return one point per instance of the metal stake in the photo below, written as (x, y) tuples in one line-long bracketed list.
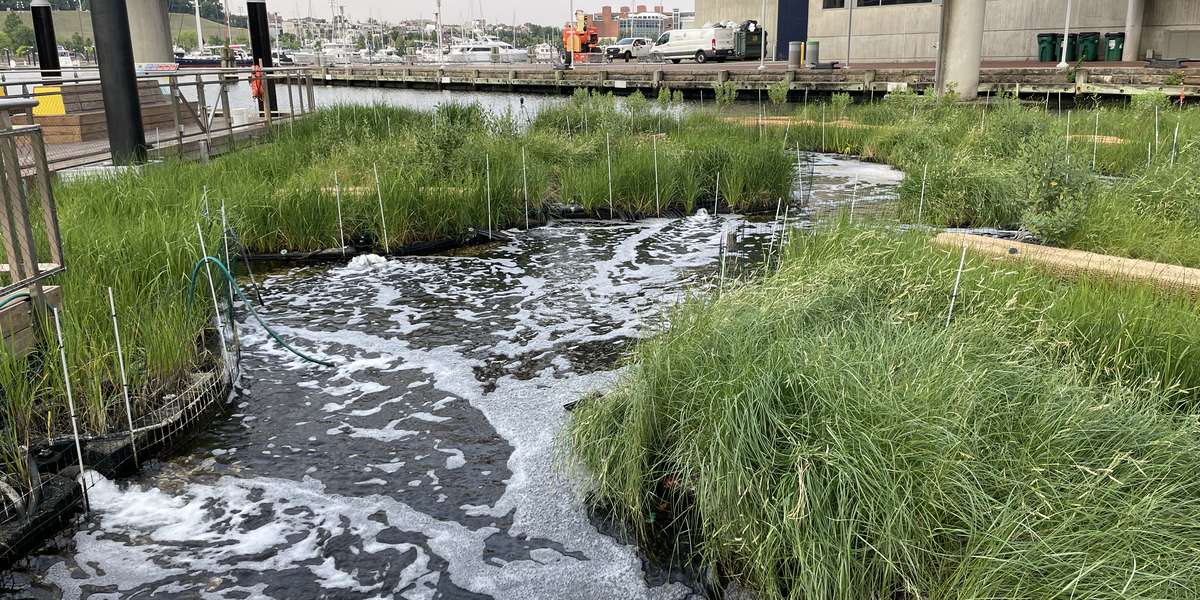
[(921, 207), (62, 353), (717, 195), (962, 261), (525, 184), (337, 190), (112, 307), (488, 166), (657, 197), (608, 148), (387, 248)]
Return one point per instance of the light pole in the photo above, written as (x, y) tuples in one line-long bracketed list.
[(762, 36), (441, 55), (849, 28), (1066, 39)]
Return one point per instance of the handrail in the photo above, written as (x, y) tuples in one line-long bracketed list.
[(11, 104)]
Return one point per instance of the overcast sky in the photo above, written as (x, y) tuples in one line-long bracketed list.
[(545, 12)]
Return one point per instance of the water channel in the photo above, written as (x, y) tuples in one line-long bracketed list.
[(427, 464)]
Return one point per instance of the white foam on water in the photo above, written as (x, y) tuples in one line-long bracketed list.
[(544, 502), (366, 261)]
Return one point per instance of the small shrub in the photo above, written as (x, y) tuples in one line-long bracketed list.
[(1149, 101), (840, 103), (636, 104), (664, 97), (778, 92), (726, 93)]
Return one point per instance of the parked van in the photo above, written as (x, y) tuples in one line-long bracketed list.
[(701, 45)]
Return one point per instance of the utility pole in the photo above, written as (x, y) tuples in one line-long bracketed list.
[(1066, 39)]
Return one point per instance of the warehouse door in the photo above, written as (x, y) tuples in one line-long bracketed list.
[(793, 25)]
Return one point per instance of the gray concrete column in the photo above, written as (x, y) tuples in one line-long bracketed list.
[(960, 47), (1133, 30), (150, 29)]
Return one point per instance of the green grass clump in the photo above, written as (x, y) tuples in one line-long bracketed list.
[(824, 434), (1010, 164)]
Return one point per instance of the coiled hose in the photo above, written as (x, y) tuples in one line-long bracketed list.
[(249, 305), (17, 296)]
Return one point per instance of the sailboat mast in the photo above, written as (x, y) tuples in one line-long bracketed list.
[(199, 27)]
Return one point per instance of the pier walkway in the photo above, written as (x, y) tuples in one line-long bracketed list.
[(1023, 78)]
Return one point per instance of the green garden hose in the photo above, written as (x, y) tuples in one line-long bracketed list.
[(249, 305), (16, 296)]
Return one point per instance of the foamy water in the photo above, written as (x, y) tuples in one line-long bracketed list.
[(427, 464)]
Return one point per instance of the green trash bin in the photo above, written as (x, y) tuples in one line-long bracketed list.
[(1114, 46), (1089, 46), (1072, 48), (1047, 43)]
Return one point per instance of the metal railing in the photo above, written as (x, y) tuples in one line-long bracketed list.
[(203, 106), (25, 173)]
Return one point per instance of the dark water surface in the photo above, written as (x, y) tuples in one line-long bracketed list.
[(427, 464)]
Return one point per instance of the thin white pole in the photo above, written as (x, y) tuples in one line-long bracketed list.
[(657, 193), (822, 127), (853, 199), (212, 289), (1067, 141), (1175, 145), (962, 261), (337, 190), (1156, 128), (524, 175), (487, 161), (800, 174), (112, 308), (387, 247), (783, 232), (921, 207), (774, 225), (62, 353), (608, 149), (717, 196), (721, 254), (225, 243)]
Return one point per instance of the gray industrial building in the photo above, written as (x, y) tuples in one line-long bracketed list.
[(907, 30)]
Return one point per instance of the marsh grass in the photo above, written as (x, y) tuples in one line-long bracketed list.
[(824, 434)]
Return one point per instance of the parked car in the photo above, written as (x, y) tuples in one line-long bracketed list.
[(629, 49), (701, 45)]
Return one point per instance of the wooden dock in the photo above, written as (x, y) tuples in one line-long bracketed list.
[(1114, 80)]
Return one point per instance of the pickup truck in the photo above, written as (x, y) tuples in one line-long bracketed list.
[(628, 49)]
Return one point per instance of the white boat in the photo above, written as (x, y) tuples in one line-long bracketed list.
[(337, 53), (66, 58), (545, 53), (486, 49)]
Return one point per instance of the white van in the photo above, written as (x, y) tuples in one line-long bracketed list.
[(701, 45)]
